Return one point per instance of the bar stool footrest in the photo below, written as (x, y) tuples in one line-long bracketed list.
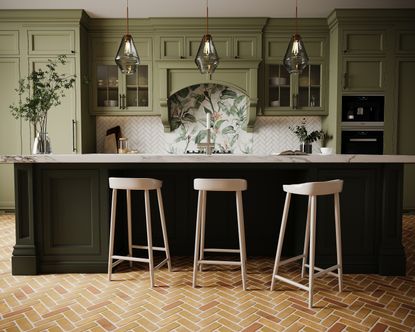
[(291, 282), (324, 271), (290, 260), (146, 248), (159, 265), (128, 258), (203, 261), (232, 251)]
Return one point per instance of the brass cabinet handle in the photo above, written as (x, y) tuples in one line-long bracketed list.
[(345, 81), (182, 57), (73, 135), (120, 102), (236, 56), (124, 104)]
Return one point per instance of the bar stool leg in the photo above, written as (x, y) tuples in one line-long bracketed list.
[(200, 208), (306, 239), (112, 231), (312, 249), (202, 230), (241, 231), (281, 237), (149, 237), (164, 228), (338, 240), (130, 237)]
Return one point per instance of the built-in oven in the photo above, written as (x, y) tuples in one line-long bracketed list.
[(362, 124)]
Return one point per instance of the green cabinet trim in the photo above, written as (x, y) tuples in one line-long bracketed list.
[(405, 42), (363, 41)]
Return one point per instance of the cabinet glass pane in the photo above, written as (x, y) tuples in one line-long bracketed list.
[(278, 86), (137, 88), (309, 87), (107, 86)]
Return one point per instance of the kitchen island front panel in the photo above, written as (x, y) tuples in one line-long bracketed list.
[(63, 210)]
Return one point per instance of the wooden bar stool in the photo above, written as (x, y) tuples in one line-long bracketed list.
[(203, 186), (144, 184), (312, 190)]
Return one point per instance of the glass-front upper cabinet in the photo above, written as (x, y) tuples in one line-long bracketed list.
[(119, 94), (287, 92)]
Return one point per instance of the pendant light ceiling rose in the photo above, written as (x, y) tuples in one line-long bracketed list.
[(295, 58), (127, 57), (207, 58)]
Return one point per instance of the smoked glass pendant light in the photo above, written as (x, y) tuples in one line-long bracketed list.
[(127, 57), (207, 58), (296, 58)]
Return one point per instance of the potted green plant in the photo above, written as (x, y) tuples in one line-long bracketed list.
[(38, 93), (306, 138)]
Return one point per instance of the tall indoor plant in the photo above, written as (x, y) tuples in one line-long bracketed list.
[(38, 93)]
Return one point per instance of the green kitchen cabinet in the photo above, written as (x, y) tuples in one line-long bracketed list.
[(363, 74), (51, 41), (295, 94), (28, 39), (111, 91), (362, 41), (228, 47), (115, 93)]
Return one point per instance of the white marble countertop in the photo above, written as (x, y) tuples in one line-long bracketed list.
[(200, 158)]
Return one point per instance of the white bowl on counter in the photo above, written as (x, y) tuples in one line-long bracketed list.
[(326, 151)]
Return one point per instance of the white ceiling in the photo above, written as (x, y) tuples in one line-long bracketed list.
[(196, 8)]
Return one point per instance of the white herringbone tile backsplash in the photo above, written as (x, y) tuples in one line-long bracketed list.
[(146, 134)]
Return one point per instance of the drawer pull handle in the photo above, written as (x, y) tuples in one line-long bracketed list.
[(363, 140)]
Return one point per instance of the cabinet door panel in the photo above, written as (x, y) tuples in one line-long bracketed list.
[(9, 42), (245, 47), (70, 213), (51, 42), (363, 75), (405, 130), (192, 46), (275, 48), (171, 47), (223, 47), (9, 128), (406, 42), (60, 127), (363, 42)]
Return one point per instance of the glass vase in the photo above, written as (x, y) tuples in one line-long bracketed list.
[(41, 144), (306, 147)]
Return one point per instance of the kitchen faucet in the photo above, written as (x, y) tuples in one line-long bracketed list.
[(208, 145)]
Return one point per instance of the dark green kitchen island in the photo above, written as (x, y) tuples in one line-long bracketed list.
[(63, 207)]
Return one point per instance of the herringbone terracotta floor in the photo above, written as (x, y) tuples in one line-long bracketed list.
[(88, 302)]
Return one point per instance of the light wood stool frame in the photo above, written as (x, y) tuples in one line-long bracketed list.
[(138, 184)]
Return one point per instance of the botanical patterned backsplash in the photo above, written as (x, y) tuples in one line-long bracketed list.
[(228, 114)]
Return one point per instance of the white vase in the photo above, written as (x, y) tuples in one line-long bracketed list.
[(41, 144)]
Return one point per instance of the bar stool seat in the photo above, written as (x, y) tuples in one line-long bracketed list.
[(226, 185), (143, 184), (312, 190)]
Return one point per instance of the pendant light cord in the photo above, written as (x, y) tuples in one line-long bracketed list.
[(296, 17), (207, 17), (127, 18)]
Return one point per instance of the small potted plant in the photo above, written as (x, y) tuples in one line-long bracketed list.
[(306, 138), (38, 93)]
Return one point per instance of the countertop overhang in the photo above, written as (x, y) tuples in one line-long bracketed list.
[(202, 158)]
